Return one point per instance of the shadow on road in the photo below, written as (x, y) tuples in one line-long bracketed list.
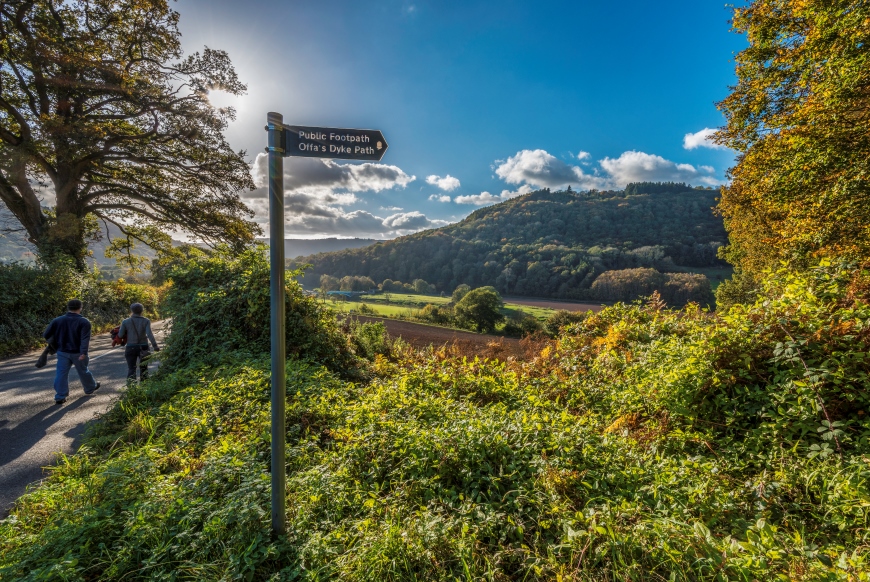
[(26, 434)]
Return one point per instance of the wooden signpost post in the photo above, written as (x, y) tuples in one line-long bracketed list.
[(309, 142)]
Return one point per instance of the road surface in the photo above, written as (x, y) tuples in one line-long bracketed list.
[(33, 429)]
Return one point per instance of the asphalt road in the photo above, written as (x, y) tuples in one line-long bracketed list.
[(33, 429)]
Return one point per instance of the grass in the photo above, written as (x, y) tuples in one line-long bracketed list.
[(394, 311), (409, 299), (539, 313), (406, 303), (646, 444)]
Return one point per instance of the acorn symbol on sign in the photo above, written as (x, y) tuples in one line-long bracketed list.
[(380, 145)]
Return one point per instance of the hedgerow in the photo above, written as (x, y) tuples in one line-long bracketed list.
[(644, 444), (221, 302), (33, 295)]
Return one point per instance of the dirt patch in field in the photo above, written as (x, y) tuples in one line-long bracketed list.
[(566, 305), (466, 343)]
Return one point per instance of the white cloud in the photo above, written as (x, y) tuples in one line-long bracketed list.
[(642, 167), (316, 192), (701, 139), (440, 197), (485, 198), (326, 175), (535, 169), (448, 183), (479, 199), (307, 217), (541, 169), (360, 223), (411, 222)]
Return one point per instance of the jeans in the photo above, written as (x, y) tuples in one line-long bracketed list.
[(65, 361), (133, 354)]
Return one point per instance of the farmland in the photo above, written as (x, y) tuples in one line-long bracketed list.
[(404, 305), (630, 449)]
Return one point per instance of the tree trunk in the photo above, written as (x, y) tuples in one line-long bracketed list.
[(64, 237)]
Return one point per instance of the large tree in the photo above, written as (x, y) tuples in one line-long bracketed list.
[(103, 119), (799, 118)]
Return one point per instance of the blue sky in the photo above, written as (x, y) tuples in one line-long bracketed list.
[(479, 101)]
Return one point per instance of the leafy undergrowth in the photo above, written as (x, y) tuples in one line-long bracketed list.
[(646, 444)]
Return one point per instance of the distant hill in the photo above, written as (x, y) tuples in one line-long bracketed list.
[(301, 247), (548, 244), (15, 246)]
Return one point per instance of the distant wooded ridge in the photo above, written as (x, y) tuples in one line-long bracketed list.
[(301, 247), (548, 244), (15, 247)]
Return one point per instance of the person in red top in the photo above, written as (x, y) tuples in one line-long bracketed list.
[(72, 335)]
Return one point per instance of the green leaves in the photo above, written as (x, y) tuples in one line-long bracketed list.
[(99, 101), (645, 443)]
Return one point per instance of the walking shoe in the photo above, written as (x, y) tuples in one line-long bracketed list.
[(59, 400), (97, 387)]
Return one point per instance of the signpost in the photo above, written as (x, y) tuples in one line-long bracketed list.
[(309, 142)]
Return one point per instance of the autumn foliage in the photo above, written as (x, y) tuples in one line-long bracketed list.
[(799, 117)]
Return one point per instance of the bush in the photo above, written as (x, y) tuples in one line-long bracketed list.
[(740, 288), (365, 309), (106, 303), (369, 339), (33, 295), (437, 314), (221, 303), (521, 324), (676, 289), (561, 319), (646, 444)]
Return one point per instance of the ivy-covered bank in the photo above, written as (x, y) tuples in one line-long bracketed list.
[(644, 444)]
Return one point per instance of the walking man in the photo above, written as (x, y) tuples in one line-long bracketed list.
[(137, 330), (72, 335)]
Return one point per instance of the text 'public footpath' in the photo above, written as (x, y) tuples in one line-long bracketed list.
[(324, 142)]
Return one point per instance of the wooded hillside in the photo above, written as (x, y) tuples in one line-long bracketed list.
[(548, 244)]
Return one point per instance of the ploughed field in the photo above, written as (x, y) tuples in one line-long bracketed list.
[(467, 343)]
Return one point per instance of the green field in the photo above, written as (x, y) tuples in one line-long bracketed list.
[(406, 303), (379, 309), (715, 274), (407, 299), (539, 313)]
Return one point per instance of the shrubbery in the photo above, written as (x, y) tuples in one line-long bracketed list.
[(676, 289), (370, 340), (220, 303), (437, 314), (561, 319), (521, 324), (33, 295), (645, 444)]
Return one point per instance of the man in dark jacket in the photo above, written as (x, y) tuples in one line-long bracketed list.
[(72, 335)]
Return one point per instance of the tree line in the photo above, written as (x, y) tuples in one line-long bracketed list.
[(547, 244)]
